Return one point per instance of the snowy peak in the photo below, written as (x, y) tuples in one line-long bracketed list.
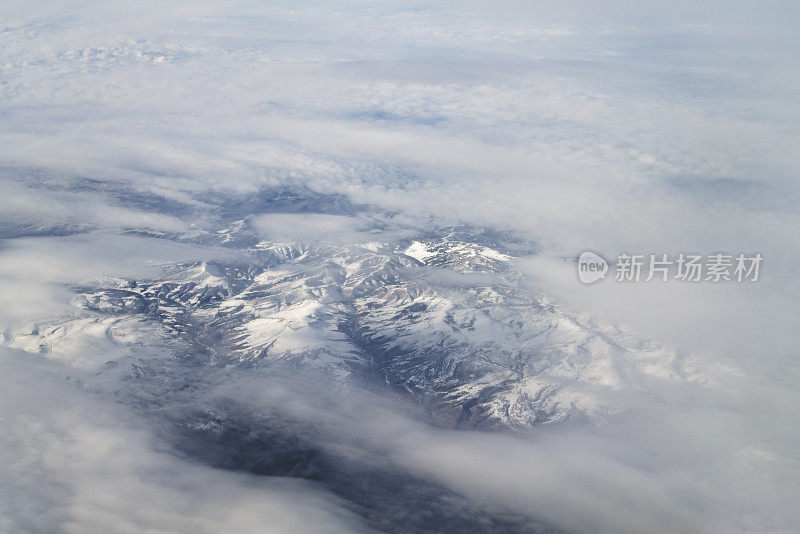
[(412, 315)]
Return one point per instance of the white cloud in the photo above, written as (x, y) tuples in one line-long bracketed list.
[(306, 227), (682, 140), (71, 462)]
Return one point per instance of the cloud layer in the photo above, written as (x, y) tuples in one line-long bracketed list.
[(130, 129)]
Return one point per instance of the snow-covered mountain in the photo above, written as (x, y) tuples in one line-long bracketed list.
[(442, 319), (281, 334)]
